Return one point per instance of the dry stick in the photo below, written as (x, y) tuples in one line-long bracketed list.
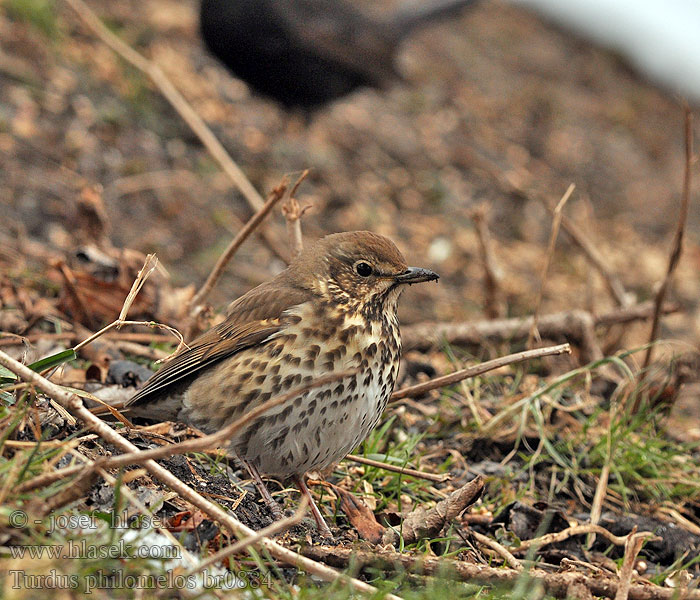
[(120, 323), (677, 241), (601, 490), (293, 213), (75, 405), (617, 290), (556, 584), (667, 511), (628, 314), (48, 478), (266, 532), (422, 388), (140, 350), (25, 445), (149, 265), (602, 485), (275, 196), (556, 221), (577, 236), (274, 245), (565, 534), (493, 274), (175, 98), (69, 336), (131, 497), (394, 469), (502, 551), (632, 547), (70, 283), (574, 323)]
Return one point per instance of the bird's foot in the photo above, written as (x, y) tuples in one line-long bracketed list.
[(321, 524)]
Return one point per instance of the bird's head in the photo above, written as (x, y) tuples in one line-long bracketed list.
[(357, 269)]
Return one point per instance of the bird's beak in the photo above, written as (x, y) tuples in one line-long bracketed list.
[(416, 275)]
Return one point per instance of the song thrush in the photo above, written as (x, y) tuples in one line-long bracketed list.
[(332, 309)]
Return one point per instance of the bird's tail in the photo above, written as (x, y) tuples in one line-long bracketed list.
[(419, 14)]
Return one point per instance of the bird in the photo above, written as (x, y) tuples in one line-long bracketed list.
[(332, 310), (306, 53)]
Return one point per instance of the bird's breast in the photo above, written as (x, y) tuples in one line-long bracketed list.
[(322, 424)]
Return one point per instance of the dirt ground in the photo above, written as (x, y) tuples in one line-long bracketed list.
[(497, 107), (498, 111)]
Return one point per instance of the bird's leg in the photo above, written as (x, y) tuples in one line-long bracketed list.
[(264, 492), (320, 522)]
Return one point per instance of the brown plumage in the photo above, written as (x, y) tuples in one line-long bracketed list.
[(332, 309)]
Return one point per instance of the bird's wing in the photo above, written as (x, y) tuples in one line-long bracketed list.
[(251, 320)]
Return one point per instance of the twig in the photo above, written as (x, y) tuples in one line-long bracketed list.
[(669, 511), (69, 336), (276, 246), (493, 274), (556, 584), (266, 532), (69, 280), (422, 388), (677, 248), (118, 324), (176, 99), (512, 186), (577, 325), (293, 213), (422, 523), (48, 478), (126, 491), (632, 547), (215, 512), (395, 469), (556, 222), (140, 350), (275, 196), (565, 534), (502, 551), (601, 489), (614, 285), (638, 312), (149, 265), (602, 485)]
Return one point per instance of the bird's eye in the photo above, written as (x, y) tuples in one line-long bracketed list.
[(363, 269)]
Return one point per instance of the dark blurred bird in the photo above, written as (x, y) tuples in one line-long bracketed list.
[(305, 53), (333, 310)]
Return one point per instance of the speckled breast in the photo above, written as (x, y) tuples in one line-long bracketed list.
[(323, 424)]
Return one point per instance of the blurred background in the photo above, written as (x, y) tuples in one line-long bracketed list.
[(502, 107)]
